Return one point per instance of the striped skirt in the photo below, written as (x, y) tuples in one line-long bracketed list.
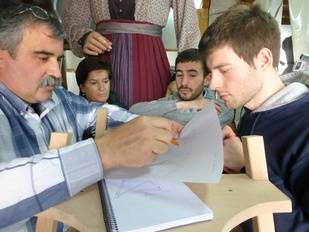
[(139, 62)]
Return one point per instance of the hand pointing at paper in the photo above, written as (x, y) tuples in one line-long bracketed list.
[(138, 142)]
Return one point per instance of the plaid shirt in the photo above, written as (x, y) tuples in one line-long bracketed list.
[(46, 177)]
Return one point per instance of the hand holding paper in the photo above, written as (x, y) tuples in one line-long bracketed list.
[(197, 158)]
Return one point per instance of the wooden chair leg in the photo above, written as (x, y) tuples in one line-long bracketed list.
[(256, 168), (263, 223), (101, 122), (46, 225)]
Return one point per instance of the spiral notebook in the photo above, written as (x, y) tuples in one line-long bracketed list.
[(130, 205)]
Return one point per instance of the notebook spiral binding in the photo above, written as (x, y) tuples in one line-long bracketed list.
[(109, 216)]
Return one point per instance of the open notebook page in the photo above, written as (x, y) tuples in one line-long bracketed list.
[(151, 205)]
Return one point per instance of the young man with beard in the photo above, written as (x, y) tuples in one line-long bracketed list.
[(192, 95), (241, 49)]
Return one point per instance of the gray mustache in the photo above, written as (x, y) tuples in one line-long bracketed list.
[(51, 81)]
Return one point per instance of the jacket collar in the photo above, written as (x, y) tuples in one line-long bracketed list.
[(288, 94)]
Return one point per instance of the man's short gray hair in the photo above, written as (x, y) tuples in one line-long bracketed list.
[(15, 18)]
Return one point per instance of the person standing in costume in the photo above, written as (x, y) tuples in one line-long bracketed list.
[(128, 35)]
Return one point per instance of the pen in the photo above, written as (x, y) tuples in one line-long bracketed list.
[(174, 141)]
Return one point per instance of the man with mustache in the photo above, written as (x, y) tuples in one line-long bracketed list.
[(192, 95), (32, 177)]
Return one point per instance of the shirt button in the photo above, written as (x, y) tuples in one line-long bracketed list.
[(120, 10)]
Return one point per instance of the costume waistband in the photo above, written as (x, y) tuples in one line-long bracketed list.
[(129, 28)]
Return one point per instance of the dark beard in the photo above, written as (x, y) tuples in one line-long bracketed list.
[(194, 96)]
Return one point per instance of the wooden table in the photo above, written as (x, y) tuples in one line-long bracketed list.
[(235, 199)]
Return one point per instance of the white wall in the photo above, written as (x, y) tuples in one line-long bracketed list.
[(300, 27), (71, 62)]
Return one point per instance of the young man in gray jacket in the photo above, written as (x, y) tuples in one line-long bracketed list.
[(192, 94)]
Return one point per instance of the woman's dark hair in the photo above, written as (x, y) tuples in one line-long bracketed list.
[(88, 65)]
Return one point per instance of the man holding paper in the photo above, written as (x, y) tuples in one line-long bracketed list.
[(32, 106)]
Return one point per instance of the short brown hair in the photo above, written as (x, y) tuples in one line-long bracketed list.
[(191, 55), (247, 29)]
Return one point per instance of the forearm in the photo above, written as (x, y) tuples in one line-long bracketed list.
[(119, 114), (154, 108), (181, 116), (41, 181), (180, 111), (86, 114), (188, 105)]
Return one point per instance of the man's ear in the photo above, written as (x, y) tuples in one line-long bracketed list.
[(264, 59), (4, 55), (2, 58), (206, 80)]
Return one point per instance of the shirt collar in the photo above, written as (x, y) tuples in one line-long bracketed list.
[(15, 101), (290, 93), (21, 106)]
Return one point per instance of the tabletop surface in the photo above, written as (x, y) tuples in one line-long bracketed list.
[(235, 199)]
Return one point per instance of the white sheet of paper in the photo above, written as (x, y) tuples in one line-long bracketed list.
[(198, 157), (154, 205)]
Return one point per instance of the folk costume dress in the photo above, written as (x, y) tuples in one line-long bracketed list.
[(138, 57)]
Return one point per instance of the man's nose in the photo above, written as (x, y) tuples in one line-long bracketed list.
[(214, 81), (54, 69), (184, 80)]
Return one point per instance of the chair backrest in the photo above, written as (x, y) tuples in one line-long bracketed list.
[(256, 168), (69, 66), (59, 140)]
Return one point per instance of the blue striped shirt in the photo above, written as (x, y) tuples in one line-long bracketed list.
[(33, 178)]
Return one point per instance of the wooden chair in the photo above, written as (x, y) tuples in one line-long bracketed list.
[(240, 197)]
